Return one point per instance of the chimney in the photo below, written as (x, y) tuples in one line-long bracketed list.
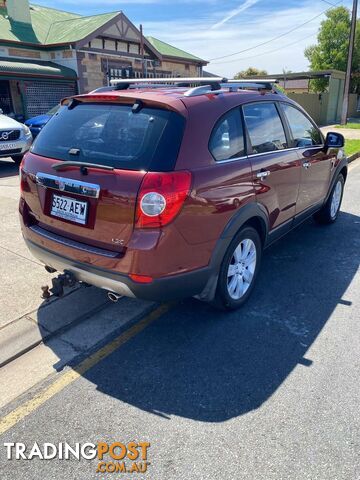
[(19, 11)]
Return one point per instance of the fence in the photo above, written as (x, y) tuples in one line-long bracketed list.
[(323, 111)]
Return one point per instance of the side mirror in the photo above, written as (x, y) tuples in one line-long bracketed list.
[(334, 140)]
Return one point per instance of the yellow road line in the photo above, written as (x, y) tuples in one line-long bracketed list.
[(71, 375)]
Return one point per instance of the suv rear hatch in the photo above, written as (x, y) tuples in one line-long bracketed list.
[(81, 179)]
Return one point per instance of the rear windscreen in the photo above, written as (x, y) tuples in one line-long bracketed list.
[(113, 135)]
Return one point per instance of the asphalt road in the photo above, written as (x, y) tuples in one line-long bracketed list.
[(268, 392)]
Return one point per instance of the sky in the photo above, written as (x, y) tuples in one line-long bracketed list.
[(215, 28)]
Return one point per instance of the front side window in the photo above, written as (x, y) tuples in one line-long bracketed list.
[(265, 128), (227, 138), (304, 133)]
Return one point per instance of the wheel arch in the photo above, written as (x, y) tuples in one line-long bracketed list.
[(344, 172), (252, 214), (341, 169), (259, 225)]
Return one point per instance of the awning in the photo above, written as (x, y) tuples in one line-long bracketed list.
[(35, 69), (304, 75)]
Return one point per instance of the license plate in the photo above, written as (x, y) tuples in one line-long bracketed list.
[(8, 146), (69, 209)]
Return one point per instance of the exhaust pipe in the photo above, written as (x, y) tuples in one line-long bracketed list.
[(113, 297)]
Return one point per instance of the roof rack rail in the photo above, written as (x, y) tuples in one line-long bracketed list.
[(232, 86), (257, 84), (187, 80), (252, 80), (126, 83), (201, 85), (203, 90)]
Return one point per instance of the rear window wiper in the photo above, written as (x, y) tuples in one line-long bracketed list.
[(82, 165)]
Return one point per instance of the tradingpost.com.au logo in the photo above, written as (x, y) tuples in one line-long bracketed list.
[(113, 457)]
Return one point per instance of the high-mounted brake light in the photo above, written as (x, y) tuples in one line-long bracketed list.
[(161, 197), (73, 101), (101, 98)]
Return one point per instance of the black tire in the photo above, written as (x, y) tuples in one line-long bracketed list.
[(326, 215), (17, 159), (223, 300)]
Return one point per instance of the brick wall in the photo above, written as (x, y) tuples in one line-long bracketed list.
[(92, 74), (178, 69), (22, 52), (93, 67)]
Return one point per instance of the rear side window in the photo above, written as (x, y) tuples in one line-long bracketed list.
[(265, 128), (113, 135), (304, 133), (227, 138)]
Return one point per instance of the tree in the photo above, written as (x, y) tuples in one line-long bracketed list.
[(250, 72), (331, 49)]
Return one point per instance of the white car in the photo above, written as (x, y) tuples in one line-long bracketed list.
[(15, 138)]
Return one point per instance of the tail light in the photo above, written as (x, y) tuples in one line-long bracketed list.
[(161, 197), (24, 186)]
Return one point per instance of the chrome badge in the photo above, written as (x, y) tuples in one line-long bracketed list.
[(5, 135)]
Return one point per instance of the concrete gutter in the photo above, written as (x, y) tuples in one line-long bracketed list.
[(353, 157), (80, 317), (51, 318)]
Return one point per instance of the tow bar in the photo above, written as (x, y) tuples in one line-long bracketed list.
[(66, 279)]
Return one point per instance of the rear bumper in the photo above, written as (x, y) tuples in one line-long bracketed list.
[(162, 289)]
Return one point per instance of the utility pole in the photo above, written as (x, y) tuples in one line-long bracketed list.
[(284, 72), (345, 104)]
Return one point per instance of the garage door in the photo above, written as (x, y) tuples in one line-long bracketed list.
[(40, 97)]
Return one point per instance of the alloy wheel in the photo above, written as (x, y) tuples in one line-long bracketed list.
[(241, 269), (336, 199)]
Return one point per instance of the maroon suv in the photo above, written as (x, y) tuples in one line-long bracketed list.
[(160, 193)]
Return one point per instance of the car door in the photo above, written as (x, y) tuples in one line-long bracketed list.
[(275, 166), (316, 163)]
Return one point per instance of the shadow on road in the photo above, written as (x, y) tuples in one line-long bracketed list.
[(209, 366), (8, 168)]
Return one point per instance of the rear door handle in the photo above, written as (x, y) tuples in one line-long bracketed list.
[(307, 164), (263, 174)]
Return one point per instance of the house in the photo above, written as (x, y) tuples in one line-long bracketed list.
[(295, 86), (48, 54)]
